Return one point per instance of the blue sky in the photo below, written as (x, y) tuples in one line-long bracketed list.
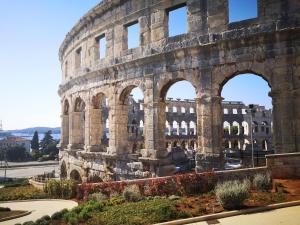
[(31, 33)]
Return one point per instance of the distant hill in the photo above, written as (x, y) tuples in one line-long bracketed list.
[(55, 130)]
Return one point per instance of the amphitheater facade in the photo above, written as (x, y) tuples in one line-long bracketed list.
[(211, 52)]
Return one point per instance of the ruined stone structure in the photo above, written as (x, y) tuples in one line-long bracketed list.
[(208, 55), (181, 120)]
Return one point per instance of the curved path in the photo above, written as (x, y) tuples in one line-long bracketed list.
[(283, 216), (39, 208)]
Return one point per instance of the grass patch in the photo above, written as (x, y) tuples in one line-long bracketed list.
[(138, 213), (21, 193)]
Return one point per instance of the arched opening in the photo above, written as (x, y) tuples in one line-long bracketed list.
[(99, 137), (75, 175), (180, 125), (226, 128), (131, 100), (65, 123), (235, 129), (63, 170), (248, 105), (78, 123), (183, 128), (245, 128)]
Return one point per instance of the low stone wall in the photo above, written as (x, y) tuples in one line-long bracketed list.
[(191, 183), (36, 184), (284, 165)]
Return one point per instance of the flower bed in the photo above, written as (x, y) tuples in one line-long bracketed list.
[(183, 184)]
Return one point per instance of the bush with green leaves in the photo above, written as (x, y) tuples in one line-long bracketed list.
[(59, 215), (65, 189), (132, 193), (231, 194), (262, 181)]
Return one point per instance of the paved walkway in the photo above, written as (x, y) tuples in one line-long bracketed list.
[(40, 208), (284, 216)]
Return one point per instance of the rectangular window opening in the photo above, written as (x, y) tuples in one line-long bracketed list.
[(78, 58), (177, 20), (133, 35), (101, 46), (242, 10)]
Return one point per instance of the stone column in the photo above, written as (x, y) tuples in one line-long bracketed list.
[(209, 132), (76, 132), (284, 130), (155, 120), (118, 135), (64, 131), (296, 97), (95, 130)]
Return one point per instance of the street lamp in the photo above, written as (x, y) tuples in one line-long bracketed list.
[(251, 110)]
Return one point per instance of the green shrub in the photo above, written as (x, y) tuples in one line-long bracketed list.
[(98, 197), (4, 209), (65, 189), (59, 215), (262, 182), (29, 223), (137, 213), (132, 193), (231, 194), (21, 193), (17, 183)]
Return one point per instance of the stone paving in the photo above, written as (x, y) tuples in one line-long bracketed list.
[(39, 208), (284, 216)]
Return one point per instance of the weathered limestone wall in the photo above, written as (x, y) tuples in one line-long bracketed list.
[(284, 165), (212, 52)]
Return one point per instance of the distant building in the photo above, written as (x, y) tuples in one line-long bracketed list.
[(12, 141)]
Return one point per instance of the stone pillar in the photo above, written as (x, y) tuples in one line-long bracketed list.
[(155, 155), (155, 120), (217, 16), (64, 131), (118, 135), (95, 130), (209, 132), (76, 132), (296, 97), (284, 130), (197, 16), (159, 25)]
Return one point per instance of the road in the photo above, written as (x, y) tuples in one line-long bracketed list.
[(39, 208), (28, 171), (284, 216)]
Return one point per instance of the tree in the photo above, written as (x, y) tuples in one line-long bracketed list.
[(35, 142), (47, 140), (17, 153), (48, 145)]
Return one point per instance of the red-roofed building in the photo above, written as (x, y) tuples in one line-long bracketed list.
[(15, 141)]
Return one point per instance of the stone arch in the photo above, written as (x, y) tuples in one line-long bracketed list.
[(75, 175), (235, 128), (226, 128), (79, 105), (245, 127), (66, 107), (184, 128), (99, 101), (124, 90), (78, 123), (231, 72), (65, 129), (128, 128), (164, 85), (63, 170)]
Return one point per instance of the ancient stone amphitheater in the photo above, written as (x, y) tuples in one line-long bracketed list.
[(208, 55)]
